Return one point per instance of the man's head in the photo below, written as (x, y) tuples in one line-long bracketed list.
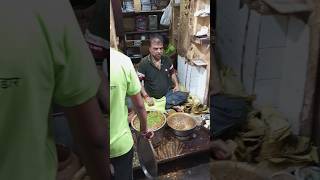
[(156, 46)]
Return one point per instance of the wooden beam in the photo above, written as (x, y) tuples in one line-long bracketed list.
[(183, 35), (308, 117), (113, 39), (118, 20), (314, 123), (214, 84)]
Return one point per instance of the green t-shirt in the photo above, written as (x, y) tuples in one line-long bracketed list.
[(123, 82), (43, 59)]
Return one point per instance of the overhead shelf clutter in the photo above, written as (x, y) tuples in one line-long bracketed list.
[(126, 13), (204, 12), (147, 31), (141, 19)]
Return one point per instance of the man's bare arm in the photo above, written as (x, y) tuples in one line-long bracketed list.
[(90, 132), (144, 94), (175, 81), (103, 92), (140, 110)]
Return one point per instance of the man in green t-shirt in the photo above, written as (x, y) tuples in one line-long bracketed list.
[(124, 82), (44, 59)]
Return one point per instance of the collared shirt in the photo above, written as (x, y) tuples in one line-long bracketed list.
[(157, 82)]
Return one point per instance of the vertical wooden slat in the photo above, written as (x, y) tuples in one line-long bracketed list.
[(315, 125), (113, 39), (214, 84), (308, 110), (184, 37), (118, 20)]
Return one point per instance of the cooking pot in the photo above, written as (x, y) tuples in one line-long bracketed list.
[(182, 124), (158, 133)]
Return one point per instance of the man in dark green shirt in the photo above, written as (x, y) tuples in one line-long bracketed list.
[(159, 76)]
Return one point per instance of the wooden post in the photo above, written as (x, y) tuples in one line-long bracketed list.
[(113, 39)]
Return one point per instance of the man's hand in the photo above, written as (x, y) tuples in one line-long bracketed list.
[(175, 89), (148, 134), (220, 150), (149, 101)]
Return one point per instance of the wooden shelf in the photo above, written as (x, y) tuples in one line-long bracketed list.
[(150, 31), (202, 16), (201, 41), (199, 62), (135, 43), (136, 60), (136, 40), (142, 12), (135, 57)]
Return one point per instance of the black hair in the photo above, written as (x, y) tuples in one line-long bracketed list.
[(156, 36)]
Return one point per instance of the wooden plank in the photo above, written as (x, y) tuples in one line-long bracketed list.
[(175, 26), (315, 123), (183, 36), (117, 12), (201, 41), (194, 20), (214, 84), (200, 52), (151, 31), (113, 39), (142, 12), (207, 87), (315, 56), (308, 111)]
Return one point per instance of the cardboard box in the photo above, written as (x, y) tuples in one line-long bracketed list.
[(129, 24), (137, 5)]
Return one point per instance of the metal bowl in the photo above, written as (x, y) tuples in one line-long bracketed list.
[(183, 124), (158, 133)]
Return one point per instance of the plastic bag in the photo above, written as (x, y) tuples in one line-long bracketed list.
[(166, 16)]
